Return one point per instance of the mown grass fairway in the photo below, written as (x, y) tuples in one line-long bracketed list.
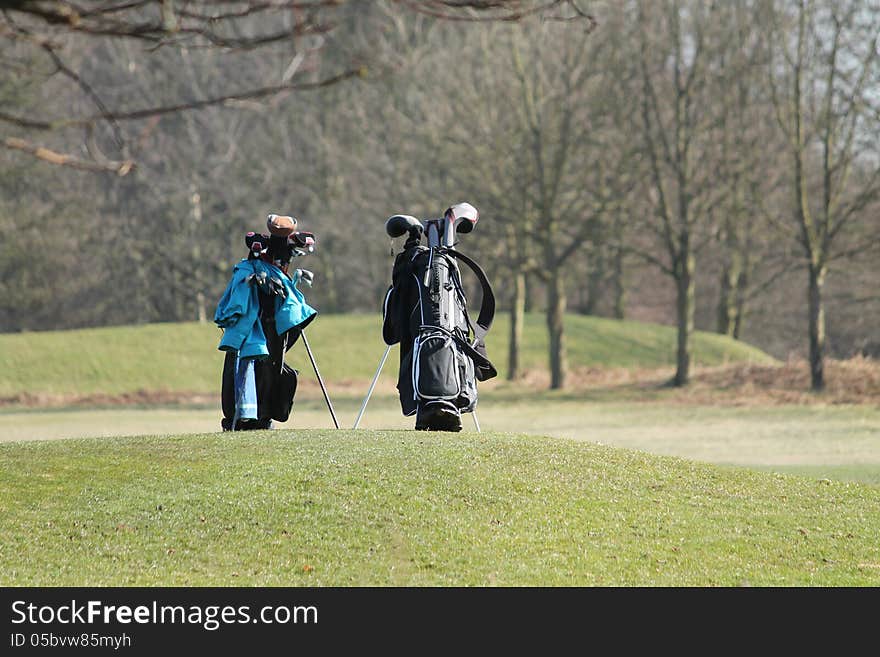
[(388, 508), (839, 442)]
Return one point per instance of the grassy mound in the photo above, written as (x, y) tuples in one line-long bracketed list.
[(184, 357), (410, 508)]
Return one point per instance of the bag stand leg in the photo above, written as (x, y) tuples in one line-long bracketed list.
[(320, 381), (476, 421), (372, 385)]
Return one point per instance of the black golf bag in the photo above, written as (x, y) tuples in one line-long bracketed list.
[(442, 352)]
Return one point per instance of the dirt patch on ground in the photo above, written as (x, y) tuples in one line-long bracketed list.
[(306, 390), (854, 381), (136, 398), (846, 382)]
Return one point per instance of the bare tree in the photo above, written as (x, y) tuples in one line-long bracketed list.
[(521, 135), (56, 29), (680, 134), (824, 73)]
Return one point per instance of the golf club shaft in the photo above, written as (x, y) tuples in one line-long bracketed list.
[(320, 380), (372, 385), (476, 421)]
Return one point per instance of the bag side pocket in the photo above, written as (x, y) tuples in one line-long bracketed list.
[(283, 393), (435, 366)]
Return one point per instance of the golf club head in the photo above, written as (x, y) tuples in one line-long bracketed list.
[(401, 224), (463, 216)]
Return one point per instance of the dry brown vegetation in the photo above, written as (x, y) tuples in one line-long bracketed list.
[(852, 381)]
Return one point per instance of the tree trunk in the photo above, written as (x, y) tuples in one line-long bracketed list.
[(555, 317), (685, 316), (742, 286), (618, 286), (517, 312), (594, 282), (331, 288), (529, 299), (731, 278), (727, 302), (817, 328), (196, 203)]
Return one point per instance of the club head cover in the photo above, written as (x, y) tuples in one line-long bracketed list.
[(304, 240), (256, 243), (464, 216), (281, 225), (401, 224)]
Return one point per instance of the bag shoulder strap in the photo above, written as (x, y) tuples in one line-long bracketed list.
[(487, 308)]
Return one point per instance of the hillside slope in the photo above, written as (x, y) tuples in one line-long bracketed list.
[(184, 357)]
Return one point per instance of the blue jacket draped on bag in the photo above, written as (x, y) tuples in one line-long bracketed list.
[(238, 312)]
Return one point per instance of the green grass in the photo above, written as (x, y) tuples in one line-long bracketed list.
[(405, 508), (308, 506), (111, 360), (184, 357), (868, 473), (837, 442), (599, 342)]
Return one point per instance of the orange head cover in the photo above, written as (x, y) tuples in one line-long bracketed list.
[(281, 225)]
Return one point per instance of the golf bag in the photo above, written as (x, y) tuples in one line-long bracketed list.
[(442, 352), (274, 381), (263, 314)]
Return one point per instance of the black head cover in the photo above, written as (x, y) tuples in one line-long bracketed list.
[(304, 240), (401, 224), (257, 243)]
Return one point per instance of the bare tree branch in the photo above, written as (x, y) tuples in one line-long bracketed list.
[(54, 157), (135, 115)]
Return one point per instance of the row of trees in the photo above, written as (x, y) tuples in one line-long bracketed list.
[(731, 146)]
